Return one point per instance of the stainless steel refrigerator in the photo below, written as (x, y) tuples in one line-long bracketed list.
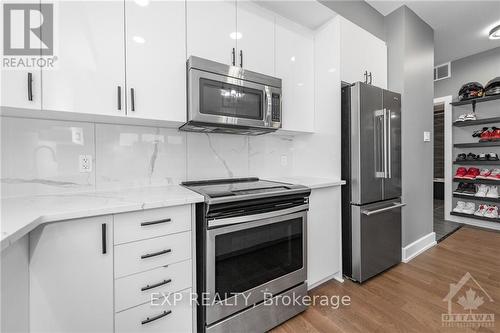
[(371, 165)]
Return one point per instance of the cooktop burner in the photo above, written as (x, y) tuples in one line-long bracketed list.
[(240, 188)]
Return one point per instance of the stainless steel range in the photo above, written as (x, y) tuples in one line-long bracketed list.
[(251, 253)]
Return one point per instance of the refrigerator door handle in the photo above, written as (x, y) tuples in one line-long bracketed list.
[(380, 116), (389, 145), (385, 142), (381, 210)]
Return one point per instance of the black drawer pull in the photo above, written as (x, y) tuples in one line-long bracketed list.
[(161, 315), (143, 224), (156, 285), (159, 253)]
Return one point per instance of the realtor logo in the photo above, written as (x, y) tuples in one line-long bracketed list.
[(469, 294), (23, 24)]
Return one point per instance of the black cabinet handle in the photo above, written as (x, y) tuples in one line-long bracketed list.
[(119, 97), (156, 285), (132, 99), (159, 253), (143, 224), (241, 58), (161, 315), (366, 76), (370, 77), (30, 87), (104, 238), (234, 57)]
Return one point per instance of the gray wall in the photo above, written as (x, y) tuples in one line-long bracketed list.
[(480, 67), (410, 47), (360, 13)]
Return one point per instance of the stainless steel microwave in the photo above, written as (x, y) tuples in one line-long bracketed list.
[(229, 99)]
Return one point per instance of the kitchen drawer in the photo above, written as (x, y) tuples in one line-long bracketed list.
[(175, 277), (178, 320), (129, 227), (147, 254)]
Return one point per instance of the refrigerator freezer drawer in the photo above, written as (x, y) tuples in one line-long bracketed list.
[(376, 238)]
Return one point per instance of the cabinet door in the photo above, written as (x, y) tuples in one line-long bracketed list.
[(376, 61), (156, 59), (91, 59), (211, 30), (71, 278), (255, 42), (295, 66)]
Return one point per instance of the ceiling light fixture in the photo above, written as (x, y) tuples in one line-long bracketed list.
[(495, 32), (236, 35)]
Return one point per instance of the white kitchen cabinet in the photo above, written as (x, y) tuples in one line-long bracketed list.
[(211, 30), (16, 90), (71, 276), (295, 66), (255, 42), (324, 236), (156, 59), (91, 64), (361, 52)]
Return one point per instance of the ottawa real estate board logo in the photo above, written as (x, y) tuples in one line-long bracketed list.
[(466, 299), (28, 36)]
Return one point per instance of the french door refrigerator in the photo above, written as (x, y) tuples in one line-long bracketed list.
[(371, 165)]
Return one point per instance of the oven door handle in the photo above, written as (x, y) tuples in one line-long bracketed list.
[(253, 217)]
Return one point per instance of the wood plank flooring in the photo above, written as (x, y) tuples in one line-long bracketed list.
[(409, 297)]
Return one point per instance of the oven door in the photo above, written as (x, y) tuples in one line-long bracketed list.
[(251, 260), (224, 100)]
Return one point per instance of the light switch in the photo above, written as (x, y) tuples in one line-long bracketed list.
[(427, 136)]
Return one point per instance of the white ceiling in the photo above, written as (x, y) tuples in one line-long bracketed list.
[(460, 27)]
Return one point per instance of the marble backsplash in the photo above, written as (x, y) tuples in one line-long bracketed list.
[(42, 156)]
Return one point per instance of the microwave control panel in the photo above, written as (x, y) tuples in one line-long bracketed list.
[(276, 108)]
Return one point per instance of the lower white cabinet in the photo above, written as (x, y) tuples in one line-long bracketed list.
[(71, 276), (324, 235)]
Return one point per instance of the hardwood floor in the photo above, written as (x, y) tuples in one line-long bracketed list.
[(409, 297)]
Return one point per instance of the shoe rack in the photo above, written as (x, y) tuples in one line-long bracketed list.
[(487, 110)]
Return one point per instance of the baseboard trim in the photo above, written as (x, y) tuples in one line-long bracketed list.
[(337, 276), (418, 247)]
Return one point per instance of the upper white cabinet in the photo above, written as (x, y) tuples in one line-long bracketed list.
[(295, 66), (211, 30), (362, 54), (71, 276), (156, 59), (21, 89), (255, 38), (90, 70)]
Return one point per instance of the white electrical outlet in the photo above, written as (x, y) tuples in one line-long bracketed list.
[(427, 136), (85, 163)]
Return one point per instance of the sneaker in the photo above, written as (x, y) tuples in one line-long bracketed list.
[(495, 174), (461, 157), (461, 117), (482, 157), (491, 212), (492, 157), (472, 173), (492, 192), (469, 208), (470, 116), (481, 210), (469, 189), (461, 172), (471, 157), (477, 133), (484, 174), (482, 191), (495, 135), (486, 136), (460, 207)]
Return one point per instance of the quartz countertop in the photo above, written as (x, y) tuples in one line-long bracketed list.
[(20, 215), (311, 182)]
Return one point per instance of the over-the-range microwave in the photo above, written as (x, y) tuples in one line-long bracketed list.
[(230, 99)]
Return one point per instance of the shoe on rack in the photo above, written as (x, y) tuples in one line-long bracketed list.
[(470, 116), (461, 117), (472, 173), (461, 157), (482, 191), (460, 188), (494, 175), (477, 133), (484, 174), (481, 210), (486, 136), (491, 212), (492, 157), (469, 189), (469, 208), (492, 192), (495, 135), (460, 207), (482, 157), (461, 172), (471, 157)]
